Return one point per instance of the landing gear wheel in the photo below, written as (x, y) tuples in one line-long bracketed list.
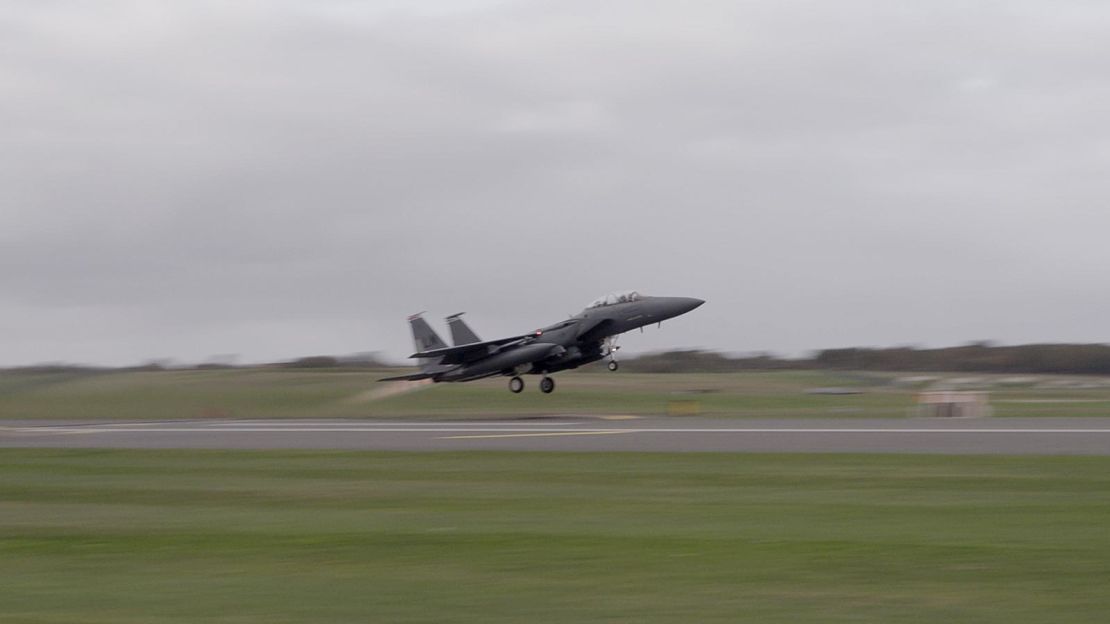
[(516, 384), (547, 385), (613, 366)]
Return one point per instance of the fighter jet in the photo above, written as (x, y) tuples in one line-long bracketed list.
[(586, 337)]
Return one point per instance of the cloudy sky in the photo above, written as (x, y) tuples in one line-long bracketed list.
[(276, 178)]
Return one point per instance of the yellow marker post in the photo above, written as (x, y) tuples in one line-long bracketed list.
[(683, 404)]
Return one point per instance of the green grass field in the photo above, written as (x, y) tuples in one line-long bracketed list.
[(277, 393), (281, 537)]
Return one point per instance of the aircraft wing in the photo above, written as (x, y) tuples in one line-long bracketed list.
[(463, 353), (595, 330)]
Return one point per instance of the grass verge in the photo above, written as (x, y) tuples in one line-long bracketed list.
[(243, 537)]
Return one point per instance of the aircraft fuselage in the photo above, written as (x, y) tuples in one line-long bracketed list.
[(583, 338)]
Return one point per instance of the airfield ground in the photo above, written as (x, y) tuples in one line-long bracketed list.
[(238, 536), (243, 537), (277, 393)]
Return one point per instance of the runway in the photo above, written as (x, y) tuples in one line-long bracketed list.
[(1055, 436)]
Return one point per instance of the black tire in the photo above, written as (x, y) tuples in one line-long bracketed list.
[(613, 366), (516, 385), (547, 385)]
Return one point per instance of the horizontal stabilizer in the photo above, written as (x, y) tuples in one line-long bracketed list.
[(413, 377)]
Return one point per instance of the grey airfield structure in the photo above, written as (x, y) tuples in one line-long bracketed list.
[(585, 337)]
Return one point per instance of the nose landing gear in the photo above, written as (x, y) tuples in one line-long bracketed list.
[(611, 351)]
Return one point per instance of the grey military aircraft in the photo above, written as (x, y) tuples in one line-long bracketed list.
[(585, 337)]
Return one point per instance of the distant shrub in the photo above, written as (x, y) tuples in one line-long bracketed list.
[(980, 357), (697, 361), (313, 361)]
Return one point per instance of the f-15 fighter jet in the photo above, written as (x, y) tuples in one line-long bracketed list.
[(583, 338)]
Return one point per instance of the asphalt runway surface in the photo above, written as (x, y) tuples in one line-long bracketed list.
[(1050, 436)]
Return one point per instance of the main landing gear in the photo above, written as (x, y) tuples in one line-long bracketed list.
[(547, 385)]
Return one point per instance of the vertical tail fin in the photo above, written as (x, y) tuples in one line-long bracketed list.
[(423, 336), (426, 339), (460, 333)]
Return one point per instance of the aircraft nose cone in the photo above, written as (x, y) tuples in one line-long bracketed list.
[(675, 306), (688, 303)]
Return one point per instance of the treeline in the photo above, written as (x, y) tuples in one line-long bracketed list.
[(981, 357), (696, 361), (364, 361), (367, 361)]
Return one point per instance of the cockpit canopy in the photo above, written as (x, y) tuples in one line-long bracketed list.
[(614, 298)]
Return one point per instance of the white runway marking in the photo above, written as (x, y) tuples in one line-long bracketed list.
[(43, 431), (539, 435), (264, 430), (573, 432), (870, 430), (382, 424)]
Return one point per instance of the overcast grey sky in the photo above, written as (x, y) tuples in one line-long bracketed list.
[(281, 178)]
